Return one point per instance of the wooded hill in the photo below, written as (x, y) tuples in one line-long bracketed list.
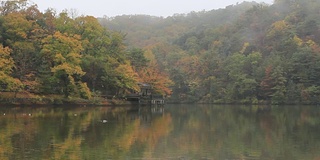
[(245, 53), (52, 54)]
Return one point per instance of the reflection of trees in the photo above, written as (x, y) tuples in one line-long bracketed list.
[(130, 135), (151, 136), (17, 130), (214, 132), (228, 132), (43, 133), (68, 149), (8, 128)]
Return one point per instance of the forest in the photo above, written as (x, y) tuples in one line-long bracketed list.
[(249, 53), (56, 55)]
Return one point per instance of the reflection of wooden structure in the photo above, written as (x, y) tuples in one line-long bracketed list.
[(145, 96)]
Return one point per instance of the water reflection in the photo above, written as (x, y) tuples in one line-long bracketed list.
[(170, 132)]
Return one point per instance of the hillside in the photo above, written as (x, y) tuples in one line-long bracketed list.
[(144, 30), (245, 53)]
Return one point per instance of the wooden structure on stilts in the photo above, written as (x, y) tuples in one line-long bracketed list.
[(145, 96)]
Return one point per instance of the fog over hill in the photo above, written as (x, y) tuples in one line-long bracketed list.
[(249, 53), (140, 29), (163, 8)]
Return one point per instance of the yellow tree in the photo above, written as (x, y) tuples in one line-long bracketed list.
[(16, 27), (119, 77), (127, 78), (22, 33), (8, 83)]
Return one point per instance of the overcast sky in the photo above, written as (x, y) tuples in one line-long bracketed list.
[(111, 8)]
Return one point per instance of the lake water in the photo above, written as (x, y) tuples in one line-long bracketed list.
[(171, 132)]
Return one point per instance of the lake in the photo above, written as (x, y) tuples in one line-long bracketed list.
[(219, 132)]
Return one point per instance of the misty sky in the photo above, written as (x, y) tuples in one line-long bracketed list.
[(111, 8)]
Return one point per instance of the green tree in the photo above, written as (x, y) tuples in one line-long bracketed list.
[(61, 55), (137, 58), (279, 88), (64, 24), (242, 84), (304, 69), (95, 41)]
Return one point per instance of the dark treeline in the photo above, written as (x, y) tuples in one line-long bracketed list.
[(72, 57), (245, 53)]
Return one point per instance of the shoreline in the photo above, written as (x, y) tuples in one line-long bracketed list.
[(97, 101)]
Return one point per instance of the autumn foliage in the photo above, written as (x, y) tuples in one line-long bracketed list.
[(245, 53), (55, 54)]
